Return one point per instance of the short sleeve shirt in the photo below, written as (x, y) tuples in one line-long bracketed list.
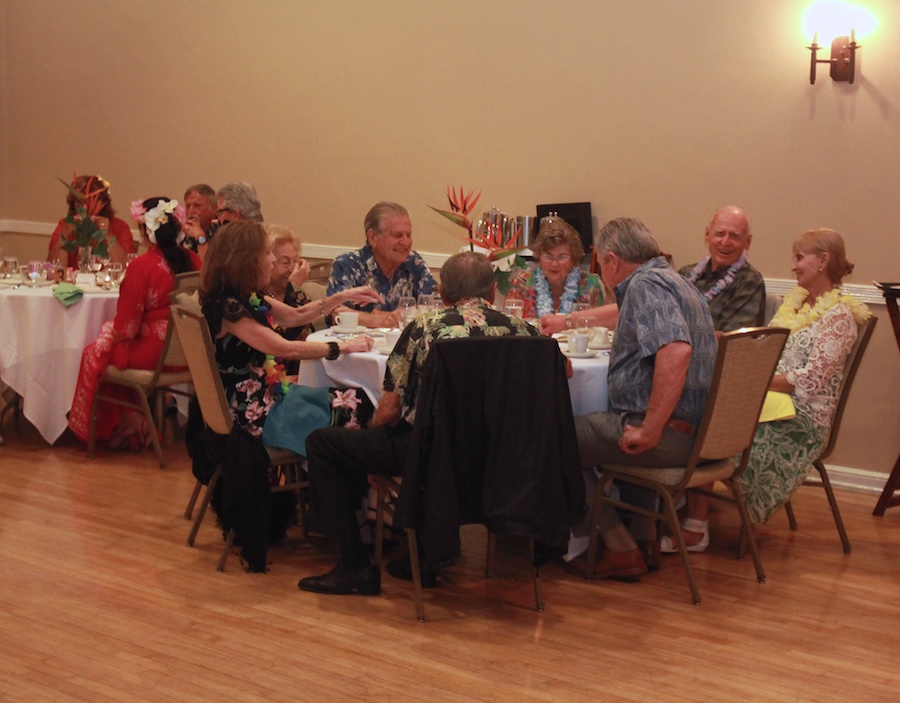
[(472, 317), (657, 307), (741, 304), (359, 268)]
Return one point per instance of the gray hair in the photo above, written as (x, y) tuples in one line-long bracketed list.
[(242, 197), (627, 238), (466, 275), (376, 216), (204, 190)]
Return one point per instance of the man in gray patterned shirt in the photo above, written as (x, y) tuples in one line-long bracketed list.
[(661, 367)]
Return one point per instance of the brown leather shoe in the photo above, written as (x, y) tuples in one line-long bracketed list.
[(612, 565), (652, 556)]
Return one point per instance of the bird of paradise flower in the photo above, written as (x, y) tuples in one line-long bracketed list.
[(504, 256)]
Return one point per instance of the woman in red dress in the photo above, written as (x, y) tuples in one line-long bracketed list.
[(119, 238), (134, 339)]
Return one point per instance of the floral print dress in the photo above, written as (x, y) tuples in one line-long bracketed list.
[(813, 361), (261, 400)]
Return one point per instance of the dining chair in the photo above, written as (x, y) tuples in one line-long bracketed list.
[(493, 443), (200, 355), (170, 373), (745, 363), (850, 368)]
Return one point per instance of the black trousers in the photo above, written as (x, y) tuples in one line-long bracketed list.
[(339, 463)]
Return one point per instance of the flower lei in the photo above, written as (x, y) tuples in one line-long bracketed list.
[(795, 313), (723, 282), (544, 299), (276, 378), (157, 215)]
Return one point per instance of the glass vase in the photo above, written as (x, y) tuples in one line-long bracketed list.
[(84, 259)]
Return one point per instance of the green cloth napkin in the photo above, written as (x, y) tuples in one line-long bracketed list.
[(67, 293)]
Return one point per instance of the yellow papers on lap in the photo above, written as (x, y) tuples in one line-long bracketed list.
[(777, 406)]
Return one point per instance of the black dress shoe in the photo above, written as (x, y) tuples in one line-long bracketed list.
[(365, 581), (652, 556), (402, 569)]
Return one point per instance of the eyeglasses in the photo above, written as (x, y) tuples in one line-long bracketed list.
[(287, 261), (560, 258), (223, 209)]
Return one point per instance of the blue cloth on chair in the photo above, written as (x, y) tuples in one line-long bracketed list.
[(302, 410)]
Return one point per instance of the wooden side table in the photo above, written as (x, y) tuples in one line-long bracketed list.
[(891, 293)]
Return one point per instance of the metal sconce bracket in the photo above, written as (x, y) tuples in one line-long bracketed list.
[(842, 61)]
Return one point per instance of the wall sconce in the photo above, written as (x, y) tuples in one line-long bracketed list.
[(842, 61)]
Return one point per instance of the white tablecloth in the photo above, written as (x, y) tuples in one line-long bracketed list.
[(41, 342), (365, 370)]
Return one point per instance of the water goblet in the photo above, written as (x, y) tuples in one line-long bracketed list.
[(34, 272), (407, 307), (115, 274), (10, 267), (514, 307), (96, 263)]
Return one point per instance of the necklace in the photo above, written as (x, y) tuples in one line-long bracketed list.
[(723, 282), (795, 313), (543, 298), (276, 377)]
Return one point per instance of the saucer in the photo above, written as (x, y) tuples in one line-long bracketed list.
[(580, 355), (359, 329), (600, 345), (383, 349)]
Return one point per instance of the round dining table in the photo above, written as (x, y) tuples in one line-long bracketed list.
[(41, 341), (587, 387)]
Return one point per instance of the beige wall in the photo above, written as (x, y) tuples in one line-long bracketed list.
[(662, 109)]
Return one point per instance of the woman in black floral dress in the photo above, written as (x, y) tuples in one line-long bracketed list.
[(251, 354)]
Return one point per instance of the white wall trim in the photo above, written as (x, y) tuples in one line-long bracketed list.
[(866, 293), (860, 480)]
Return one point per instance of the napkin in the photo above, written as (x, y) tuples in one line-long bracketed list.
[(777, 406), (67, 293)]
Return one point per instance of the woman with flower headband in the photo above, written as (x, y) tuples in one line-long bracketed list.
[(558, 283), (250, 353), (134, 339), (105, 220), (824, 323)]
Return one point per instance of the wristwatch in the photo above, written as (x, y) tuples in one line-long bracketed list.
[(334, 351)]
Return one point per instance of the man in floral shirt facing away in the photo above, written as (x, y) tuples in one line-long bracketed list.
[(387, 263), (340, 460)]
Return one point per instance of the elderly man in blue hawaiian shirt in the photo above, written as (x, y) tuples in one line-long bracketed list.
[(387, 263)]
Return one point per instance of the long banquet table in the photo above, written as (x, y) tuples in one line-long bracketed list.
[(41, 342), (365, 370)]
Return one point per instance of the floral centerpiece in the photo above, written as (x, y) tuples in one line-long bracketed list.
[(504, 256), (87, 234)]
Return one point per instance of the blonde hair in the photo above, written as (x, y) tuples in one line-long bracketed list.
[(226, 266), (826, 241), (282, 234)]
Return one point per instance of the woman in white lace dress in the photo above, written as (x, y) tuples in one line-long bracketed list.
[(824, 321)]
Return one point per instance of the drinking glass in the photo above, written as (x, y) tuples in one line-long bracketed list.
[(115, 274), (514, 307), (34, 272), (428, 301), (96, 263), (129, 258), (407, 307), (10, 267)]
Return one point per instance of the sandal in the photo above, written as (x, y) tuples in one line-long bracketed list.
[(667, 545)]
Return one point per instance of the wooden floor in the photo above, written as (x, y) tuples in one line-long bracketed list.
[(101, 600)]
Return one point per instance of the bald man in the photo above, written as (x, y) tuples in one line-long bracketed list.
[(734, 290)]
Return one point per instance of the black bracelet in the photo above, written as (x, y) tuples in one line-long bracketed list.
[(334, 351)]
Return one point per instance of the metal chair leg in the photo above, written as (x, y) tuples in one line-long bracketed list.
[(832, 501)]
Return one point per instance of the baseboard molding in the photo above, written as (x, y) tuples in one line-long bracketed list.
[(859, 480)]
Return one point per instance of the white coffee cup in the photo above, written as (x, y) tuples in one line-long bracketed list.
[(391, 337), (348, 320), (601, 335), (578, 342)]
